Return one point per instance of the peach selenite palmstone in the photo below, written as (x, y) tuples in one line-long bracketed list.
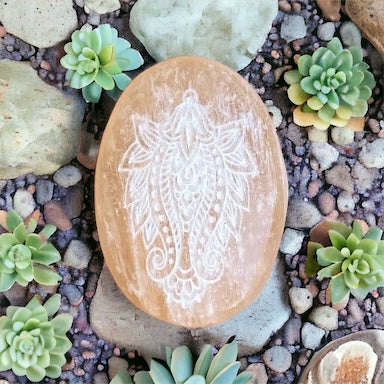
[(190, 192)]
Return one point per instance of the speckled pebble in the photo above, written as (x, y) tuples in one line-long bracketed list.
[(23, 203), (325, 317), (278, 358), (350, 34), (311, 336), (342, 135), (364, 177), (301, 299), (293, 27), (326, 31), (77, 255), (325, 154), (327, 203), (67, 176), (340, 176), (345, 202), (292, 331), (259, 373), (302, 214), (291, 241), (44, 191), (372, 154), (72, 293)]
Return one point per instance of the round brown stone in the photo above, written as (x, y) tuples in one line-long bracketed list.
[(191, 192)]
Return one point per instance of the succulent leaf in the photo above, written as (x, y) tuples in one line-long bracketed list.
[(333, 81), (95, 57)]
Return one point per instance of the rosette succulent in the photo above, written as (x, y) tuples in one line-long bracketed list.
[(96, 59), (330, 87), (208, 369), (32, 343), (354, 261), (26, 256)]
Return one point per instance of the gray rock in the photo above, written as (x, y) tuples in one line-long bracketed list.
[(291, 241), (301, 299), (302, 214), (116, 320), (372, 154), (293, 27), (102, 6), (350, 34), (363, 176), (77, 255), (292, 331), (278, 358), (217, 30), (72, 204), (296, 134), (325, 318), (325, 154), (44, 191), (41, 129), (326, 31), (39, 23), (67, 176), (340, 176), (100, 378), (311, 336), (23, 203), (345, 202)]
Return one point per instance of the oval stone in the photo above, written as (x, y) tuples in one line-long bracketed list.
[(190, 192)]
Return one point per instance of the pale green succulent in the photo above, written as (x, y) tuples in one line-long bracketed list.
[(354, 261), (330, 87), (219, 369), (26, 256), (32, 343), (96, 60)]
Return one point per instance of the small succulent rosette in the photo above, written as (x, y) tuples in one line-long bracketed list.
[(32, 343), (96, 59), (26, 256), (354, 261), (219, 369), (331, 87)]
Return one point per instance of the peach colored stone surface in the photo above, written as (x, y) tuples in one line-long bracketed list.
[(191, 192)]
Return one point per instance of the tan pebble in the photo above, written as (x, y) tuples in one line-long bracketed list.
[(31, 189), (3, 219), (296, 7), (88, 355), (374, 125), (55, 215), (89, 294), (333, 215), (35, 215), (313, 188), (131, 354), (4, 381), (296, 58), (266, 68), (313, 288), (3, 32), (284, 6), (79, 371), (78, 302), (275, 54), (381, 133), (116, 351), (296, 46), (279, 71), (69, 366), (85, 344), (45, 65)]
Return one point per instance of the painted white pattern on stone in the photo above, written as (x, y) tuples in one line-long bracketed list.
[(187, 187)]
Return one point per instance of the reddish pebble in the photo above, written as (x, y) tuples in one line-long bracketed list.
[(296, 7), (381, 133), (275, 54), (116, 351), (31, 189), (89, 294), (78, 302), (55, 215), (313, 188), (3, 31), (79, 371), (45, 65), (375, 293), (333, 215)]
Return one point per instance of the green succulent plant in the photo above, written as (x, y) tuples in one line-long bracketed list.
[(96, 59), (26, 256), (330, 87), (208, 369), (354, 261), (32, 343)]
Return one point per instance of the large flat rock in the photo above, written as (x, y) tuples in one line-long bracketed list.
[(39, 124), (116, 320)]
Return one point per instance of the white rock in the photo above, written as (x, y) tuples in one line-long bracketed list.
[(278, 358), (293, 27), (342, 135), (345, 202), (325, 154), (116, 320), (224, 31), (325, 318), (77, 255), (311, 336), (40, 23), (67, 176), (302, 214), (102, 6), (326, 31), (372, 154), (39, 124), (291, 241), (350, 34), (301, 299), (23, 203), (317, 135)]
